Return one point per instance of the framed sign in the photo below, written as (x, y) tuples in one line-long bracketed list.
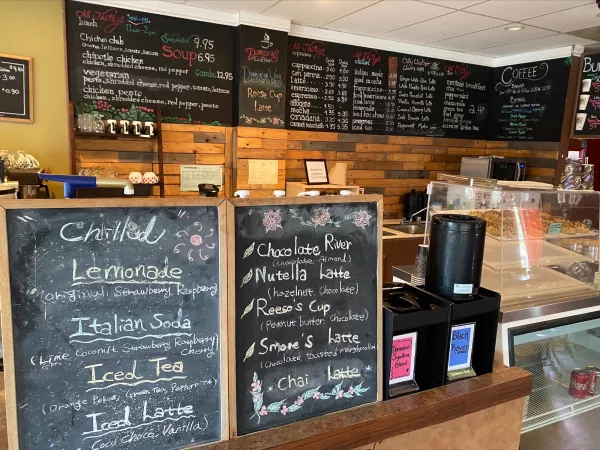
[(461, 346), (402, 364), (16, 88), (316, 171)]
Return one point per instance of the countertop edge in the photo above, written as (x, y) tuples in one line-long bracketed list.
[(377, 421)]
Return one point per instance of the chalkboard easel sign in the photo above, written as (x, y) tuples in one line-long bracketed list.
[(586, 115), (16, 88), (113, 321), (306, 278)]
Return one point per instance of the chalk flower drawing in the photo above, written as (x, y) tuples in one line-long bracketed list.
[(194, 243), (360, 218), (272, 220), (322, 217), (284, 408)]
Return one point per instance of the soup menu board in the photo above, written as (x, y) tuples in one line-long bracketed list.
[(587, 116), (126, 64), (115, 326), (529, 100), (16, 98), (262, 80), (337, 87), (306, 311)]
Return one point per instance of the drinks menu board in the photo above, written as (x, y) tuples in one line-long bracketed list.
[(306, 311), (126, 64), (529, 100), (262, 80), (16, 98), (587, 116), (114, 338), (336, 87)]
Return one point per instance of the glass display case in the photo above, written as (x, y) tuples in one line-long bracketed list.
[(540, 242)]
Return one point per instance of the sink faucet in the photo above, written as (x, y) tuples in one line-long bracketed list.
[(418, 212)]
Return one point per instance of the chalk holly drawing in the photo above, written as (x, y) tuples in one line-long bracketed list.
[(284, 407), (195, 243)]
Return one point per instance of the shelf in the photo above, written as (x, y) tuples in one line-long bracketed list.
[(551, 361), (115, 136)]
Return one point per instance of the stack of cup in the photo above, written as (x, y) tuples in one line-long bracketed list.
[(417, 278)]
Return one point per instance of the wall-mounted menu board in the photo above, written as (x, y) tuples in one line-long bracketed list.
[(337, 87), (127, 64), (262, 68), (306, 310), (16, 96), (113, 325), (528, 102), (587, 104)]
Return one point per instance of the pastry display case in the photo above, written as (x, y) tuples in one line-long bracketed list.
[(540, 242)]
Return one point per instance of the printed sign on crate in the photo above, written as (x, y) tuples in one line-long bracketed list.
[(404, 350)]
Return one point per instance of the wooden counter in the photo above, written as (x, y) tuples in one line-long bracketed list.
[(381, 421)]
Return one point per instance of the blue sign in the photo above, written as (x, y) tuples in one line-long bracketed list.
[(461, 346)]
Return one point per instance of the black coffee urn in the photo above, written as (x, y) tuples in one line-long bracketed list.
[(455, 256)]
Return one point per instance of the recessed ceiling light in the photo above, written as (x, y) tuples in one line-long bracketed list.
[(514, 28)]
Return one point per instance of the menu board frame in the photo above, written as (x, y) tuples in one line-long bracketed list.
[(6, 307), (287, 201), (28, 61), (576, 95)]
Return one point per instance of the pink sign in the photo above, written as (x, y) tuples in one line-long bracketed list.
[(402, 364)]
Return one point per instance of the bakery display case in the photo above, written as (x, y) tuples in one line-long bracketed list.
[(540, 242)]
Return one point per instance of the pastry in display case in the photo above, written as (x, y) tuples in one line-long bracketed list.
[(540, 241)]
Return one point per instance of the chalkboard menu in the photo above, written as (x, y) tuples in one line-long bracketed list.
[(306, 310), (126, 64), (16, 97), (587, 117), (115, 323), (529, 101), (336, 87), (262, 77)]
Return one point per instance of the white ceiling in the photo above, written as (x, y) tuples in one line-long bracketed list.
[(470, 26)]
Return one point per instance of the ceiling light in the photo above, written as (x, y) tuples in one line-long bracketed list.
[(514, 28)]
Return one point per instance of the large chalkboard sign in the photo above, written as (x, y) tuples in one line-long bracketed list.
[(113, 326), (336, 87), (127, 64), (262, 77), (587, 103), (306, 310), (16, 96), (529, 101)]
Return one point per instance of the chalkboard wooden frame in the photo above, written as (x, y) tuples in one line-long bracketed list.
[(30, 90), (231, 313), (6, 306), (572, 133)]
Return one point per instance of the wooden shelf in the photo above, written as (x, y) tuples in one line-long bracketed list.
[(131, 137)]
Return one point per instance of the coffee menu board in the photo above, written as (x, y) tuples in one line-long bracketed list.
[(529, 100), (262, 79), (126, 64), (587, 115), (336, 87), (306, 310), (16, 97), (113, 326)]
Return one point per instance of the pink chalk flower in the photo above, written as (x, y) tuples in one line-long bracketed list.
[(284, 410), (299, 401), (361, 219), (196, 240), (255, 398), (263, 411), (317, 395), (351, 390), (321, 217), (339, 394), (272, 220), (256, 386)]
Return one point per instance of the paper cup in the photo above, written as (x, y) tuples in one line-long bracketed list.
[(583, 102), (586, 85), (580, 121), (242, 194), (279, 193)]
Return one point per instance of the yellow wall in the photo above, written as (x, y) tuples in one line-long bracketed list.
[(35, 28)]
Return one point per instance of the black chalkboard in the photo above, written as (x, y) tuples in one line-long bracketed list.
[(262, 77), (116, 318), (126, 64), (16, 97), (337, 87), (587, 116), (529, 101), (305, 310)]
